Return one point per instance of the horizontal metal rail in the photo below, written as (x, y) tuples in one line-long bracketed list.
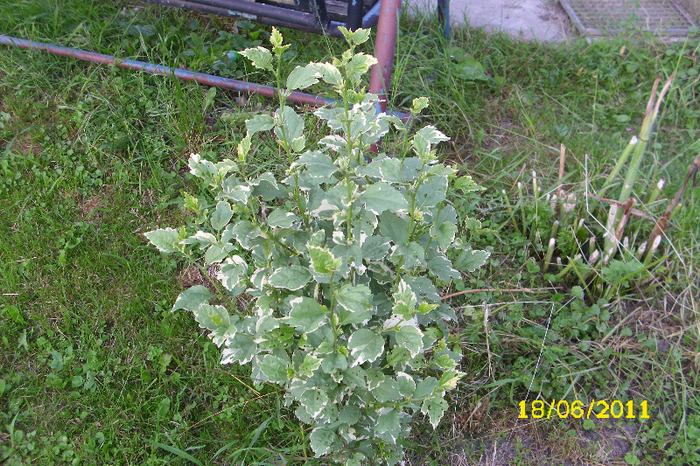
[(187, 75)]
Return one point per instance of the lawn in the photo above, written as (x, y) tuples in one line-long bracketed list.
[(95, 368)]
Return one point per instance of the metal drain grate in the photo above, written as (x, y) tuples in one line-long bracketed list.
[(595, 18)]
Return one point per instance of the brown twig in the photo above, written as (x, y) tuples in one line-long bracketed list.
[(619, 204), (661, 224)]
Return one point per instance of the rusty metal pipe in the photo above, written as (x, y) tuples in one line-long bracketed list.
[(384, 49), (187, 75), (202, 78)]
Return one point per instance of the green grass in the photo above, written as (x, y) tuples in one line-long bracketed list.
[(93, 364)]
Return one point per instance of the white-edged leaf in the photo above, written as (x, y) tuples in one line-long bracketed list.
[(274, 368), (442, 267), (241, 349), (379, 197), (260, 57), (318, 165), (232, 274), (471, 259), (192, 298), (434, 407), (260, 122), (314, 401), (289, 125), (388, 426), (321, 440), (221, 216), (411, 338), (329, 73), (323, 261), (165, 239), (281, 218), (290, 278), (212, 317), (302, 77), (355, 304), (306, 314), (365, 345)]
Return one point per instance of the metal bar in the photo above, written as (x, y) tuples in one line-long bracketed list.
[(319, 10), (443, 10), (372, 16), (202, 78), (384, 50), (331, 30), (254, 10), (355, 14)]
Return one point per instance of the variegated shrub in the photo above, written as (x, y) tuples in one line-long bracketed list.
[(339, 264)]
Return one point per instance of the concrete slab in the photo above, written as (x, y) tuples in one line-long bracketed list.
[(542, 20)]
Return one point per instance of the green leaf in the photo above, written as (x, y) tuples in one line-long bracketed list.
[(306, 314), (260, 57), (394, 227), (309, 365), (442, 267), (276, 37), (388, 426), (409, 256), (221, 216), (379, 197), (192, 298), (165, 239), (434, 407), (333, 362), (274, 368), (289, 124), (387, 390), (233, 274), (432, 191), (425, 138), (359, 64), (281, 218), (241, 349), (375, 248), (405, 384), (260, 122), (314, 401), (356, 301), (425, 388), (290, 278), (329, 73), (247, 234), (411, 338), (470, 260), (321, 440), (302, 77), (357, 37), (212, 317), (318, 165), (365, 345), (323, 261), (449, 379)]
